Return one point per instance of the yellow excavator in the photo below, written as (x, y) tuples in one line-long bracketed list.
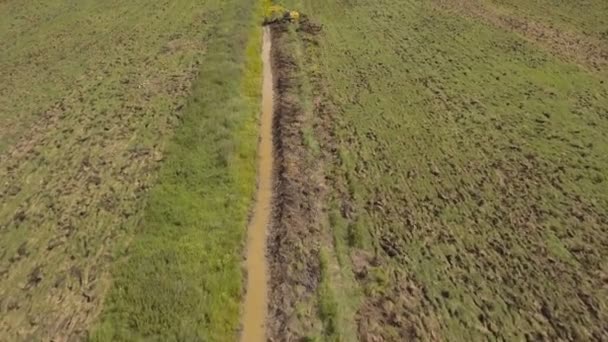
[(276, 14)]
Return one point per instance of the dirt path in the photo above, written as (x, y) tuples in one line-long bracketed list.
[(254, 327)]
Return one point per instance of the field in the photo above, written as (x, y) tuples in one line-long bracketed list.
[(440, 169), (126, 130), (468, 193)]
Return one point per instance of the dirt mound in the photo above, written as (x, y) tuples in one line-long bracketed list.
[(295, 235)]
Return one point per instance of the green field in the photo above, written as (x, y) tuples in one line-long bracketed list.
[(582, 17), (127, 153), (442, 169), (471, 190)]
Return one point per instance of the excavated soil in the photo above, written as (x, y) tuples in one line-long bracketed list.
[(295, 235)]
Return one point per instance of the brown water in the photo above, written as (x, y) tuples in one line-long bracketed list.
[(254, 327)]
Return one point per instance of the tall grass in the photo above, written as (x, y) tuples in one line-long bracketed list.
[(181, 278)]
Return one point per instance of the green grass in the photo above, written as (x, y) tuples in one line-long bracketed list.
[(475, 164), (586, 17), (127, 152), (328, 307), (182, 279)]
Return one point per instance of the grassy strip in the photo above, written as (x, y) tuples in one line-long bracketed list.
[(328, 306), (182, 279)]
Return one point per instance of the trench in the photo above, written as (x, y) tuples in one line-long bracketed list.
[(256, 304)]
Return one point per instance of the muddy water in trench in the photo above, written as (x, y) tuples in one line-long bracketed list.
[(254, 327)]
